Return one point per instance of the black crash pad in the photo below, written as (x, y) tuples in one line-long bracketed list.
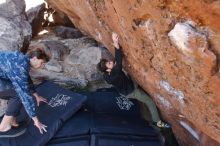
[(123, 140), (102, 121), (111, 102), (62, 105)]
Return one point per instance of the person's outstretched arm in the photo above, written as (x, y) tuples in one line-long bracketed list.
[(19, 78), (118, 51)]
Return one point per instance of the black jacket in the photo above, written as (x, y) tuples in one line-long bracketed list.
[(118, 78)]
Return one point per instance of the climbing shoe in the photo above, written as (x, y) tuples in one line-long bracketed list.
[(161, 124)]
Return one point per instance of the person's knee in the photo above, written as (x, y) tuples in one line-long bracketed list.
[(8, 113), (14, 106), (12, 113)]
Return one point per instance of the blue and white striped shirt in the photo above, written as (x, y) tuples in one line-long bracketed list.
[(15, 66)]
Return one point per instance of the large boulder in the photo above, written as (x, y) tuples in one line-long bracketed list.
[(15, 29), (67, 32), (41, 17), (171, 49), (36, 18)]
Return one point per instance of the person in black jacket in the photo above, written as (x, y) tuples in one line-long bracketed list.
[(114, 75)]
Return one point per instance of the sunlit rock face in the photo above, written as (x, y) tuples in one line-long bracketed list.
[(171, 48)]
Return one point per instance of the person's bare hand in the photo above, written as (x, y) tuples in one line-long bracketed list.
[(39, 125), (39, 99), (115, 40)]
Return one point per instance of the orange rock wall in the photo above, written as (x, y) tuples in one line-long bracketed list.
[(171, 48)]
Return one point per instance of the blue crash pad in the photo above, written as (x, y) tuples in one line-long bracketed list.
[(114, 124), (85, 123), (107, 102), (102, 118), (79, 124), (72, 141), (62, 105), (123, 140), (102, 113)]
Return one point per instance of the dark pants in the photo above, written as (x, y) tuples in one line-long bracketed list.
[(7, 92)]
